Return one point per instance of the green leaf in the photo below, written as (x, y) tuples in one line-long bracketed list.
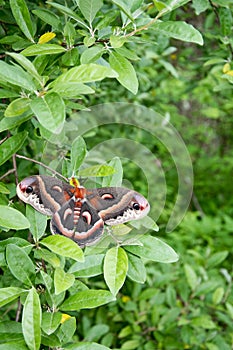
[(11, 123), (203, 321), (12, 218), (48, 17), (120, 230), (154, 249), (48, 256), (125, 332), (3, 188), (51, 298), (206, 287), (107, 19), (179, 30), (52, 341), (9, 294), (89, 41), (171, 296), (20, 265), (89, 8), (114, 179), (7, 93), (169, 67), (14, 345), (124, 8), (12, 338), (147, 222), (92, 54), (38, 222), (17, 76), (69, 34), (50, 111), (67, 11), (230, 309), (18, 241), (78, 153), (63, 246), (92, 266), (11, 146), (126, 72), (169, 317), (216, 259), (43, 49), (97, 170), (31, 320), (124, 51), (50, 321), (85, 73), (169, 5), (136, 271), (200, 6), (67, 330), (117, 41), (115, 268), (72, 90), (10, 327), (17, 107), (226, 20), (86, 346), (70, 57), (96, 332), (87, 299), (191, 276), (27, 65), (62, 280), (218, 295), (22, 17)]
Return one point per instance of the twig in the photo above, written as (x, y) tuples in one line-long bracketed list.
[(43, 165), (18, 312), (15, 169), (145, 27), (3, 140), (7, 173)]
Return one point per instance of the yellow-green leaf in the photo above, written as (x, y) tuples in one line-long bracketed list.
[(44, 38)]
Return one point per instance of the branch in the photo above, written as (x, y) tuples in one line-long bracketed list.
[(43, 165), (15, 169), (18, 312), (7, 173), (146, 26)]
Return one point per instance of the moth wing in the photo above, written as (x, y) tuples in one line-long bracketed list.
[(45, 193), (54, 192), (62, 221), (78, 221), (108, 197), (117, 205)]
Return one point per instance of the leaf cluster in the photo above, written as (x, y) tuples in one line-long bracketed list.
[(62, 57)]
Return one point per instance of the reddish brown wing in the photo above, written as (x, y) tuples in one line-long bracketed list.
[(117, 204), (45, 193), (78, 221)]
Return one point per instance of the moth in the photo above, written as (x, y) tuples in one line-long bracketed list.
[(80, 213)]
